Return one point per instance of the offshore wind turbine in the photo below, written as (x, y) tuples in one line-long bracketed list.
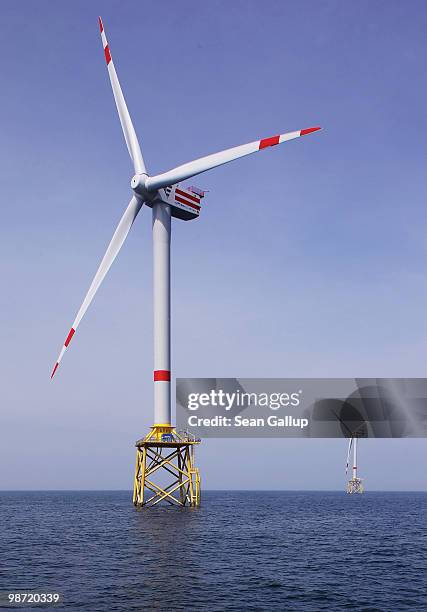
[(163, 194), (355, 484)]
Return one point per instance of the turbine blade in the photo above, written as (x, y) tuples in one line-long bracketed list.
[(110, 255), (342, 422), (127, 126), (348, 454), (181, 173)]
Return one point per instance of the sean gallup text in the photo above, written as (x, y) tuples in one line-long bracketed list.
[(239, 421)]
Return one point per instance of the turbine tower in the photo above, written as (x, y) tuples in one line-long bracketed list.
[(163, 450), (355, 484)]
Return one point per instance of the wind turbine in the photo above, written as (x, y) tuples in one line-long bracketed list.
[(163, 194), (355, 484)]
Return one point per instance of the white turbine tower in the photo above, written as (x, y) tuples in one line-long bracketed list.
[(167, 199), (355, 484)]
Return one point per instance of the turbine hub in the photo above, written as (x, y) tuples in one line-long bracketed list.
[(138, 183)]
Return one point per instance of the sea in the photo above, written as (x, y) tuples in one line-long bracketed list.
[(241, 550)]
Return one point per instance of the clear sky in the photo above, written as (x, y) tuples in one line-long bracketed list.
[(309, 259)]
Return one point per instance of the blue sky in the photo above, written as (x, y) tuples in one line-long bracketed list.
[(309, 259)]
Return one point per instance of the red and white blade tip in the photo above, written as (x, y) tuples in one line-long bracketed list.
[(66, 343), (310, 130), (101, 27)]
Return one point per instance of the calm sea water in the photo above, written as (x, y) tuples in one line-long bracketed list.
[(239, 551)]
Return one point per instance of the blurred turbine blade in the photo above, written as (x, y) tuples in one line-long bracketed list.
[(348, 454)]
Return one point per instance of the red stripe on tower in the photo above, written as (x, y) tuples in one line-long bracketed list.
[(70, 335), (107, 54), (162, 375)]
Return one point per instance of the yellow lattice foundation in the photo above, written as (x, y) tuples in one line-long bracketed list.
[(355, 485), (164, 452)]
